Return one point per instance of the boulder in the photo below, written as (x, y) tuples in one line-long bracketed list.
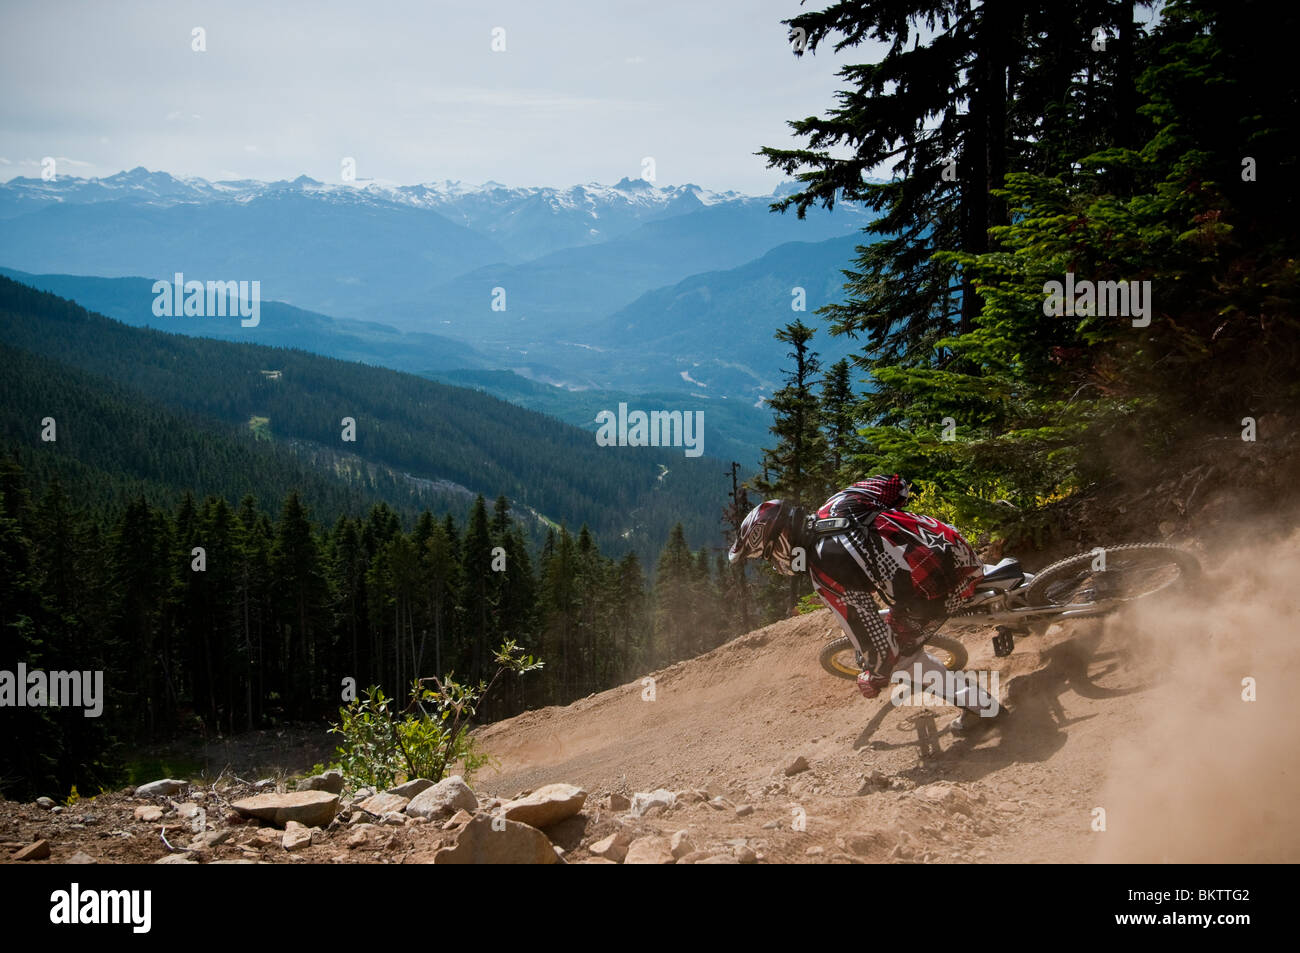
[(210, 838), (309, 808), (444, 799), (613, 848), (359, 836), (37, 851), (459, 819), (385, 803), (511, 843), (656, 802), (265, 837), (296, 836), (649, 850), (45, 803), (548, 805), (331, 781), (163, 788), (411, 788)]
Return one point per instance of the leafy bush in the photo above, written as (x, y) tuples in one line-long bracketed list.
[(428, 736)]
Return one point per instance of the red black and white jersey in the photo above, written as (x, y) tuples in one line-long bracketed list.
[(921, 567)]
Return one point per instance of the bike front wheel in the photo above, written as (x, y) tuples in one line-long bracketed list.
[(839, 658)]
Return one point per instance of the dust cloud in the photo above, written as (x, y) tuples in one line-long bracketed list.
[(1204, 775)]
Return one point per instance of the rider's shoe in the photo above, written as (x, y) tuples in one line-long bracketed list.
[(872, 685), (972, 722)]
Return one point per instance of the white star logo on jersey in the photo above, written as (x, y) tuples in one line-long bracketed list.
[(931, 539), (897, 553)]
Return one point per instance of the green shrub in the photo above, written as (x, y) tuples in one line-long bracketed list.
[(424, 739)]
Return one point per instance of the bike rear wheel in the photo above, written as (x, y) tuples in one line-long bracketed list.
[(1120, 574), (838, 657)]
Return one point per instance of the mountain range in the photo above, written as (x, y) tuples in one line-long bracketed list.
[(604, 293)]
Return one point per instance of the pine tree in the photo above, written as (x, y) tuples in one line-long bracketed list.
[(795, 469), (674, 600)]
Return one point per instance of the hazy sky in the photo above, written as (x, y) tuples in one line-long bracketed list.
[(412, 90)]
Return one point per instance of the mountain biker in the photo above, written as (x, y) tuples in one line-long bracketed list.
[(921, 567)]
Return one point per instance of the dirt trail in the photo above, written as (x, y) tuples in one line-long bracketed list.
[(1140, 715)]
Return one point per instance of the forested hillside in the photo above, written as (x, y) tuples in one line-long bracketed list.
[(223, 581), (630, 497)]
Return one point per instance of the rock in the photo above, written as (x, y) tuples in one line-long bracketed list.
[(265, 784), (57, 809), (690, 796), (719, 859), (359, 836), (746, 855), (331, 781), (458, 819), (694, 857), (815, 851), (265, 837), (176, 859), (649, 850), (797, 765), (443, 800), (613, 848), (163, 788), (210, 838), (720, 803), (45, 802), (81, 857), (771, 825), (188, 809), (296, 838), (386, 803), (547, 805), (596, 860), (516, 843), (745, 810), (865, 845), (619, 803), (946, 796), (149, 813), (680, 844), (310, 808), (411, 788), (656, 802), (360, 794), (37, 851), (396, 818)]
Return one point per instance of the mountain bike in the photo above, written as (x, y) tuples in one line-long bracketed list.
[(1016, 602)]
